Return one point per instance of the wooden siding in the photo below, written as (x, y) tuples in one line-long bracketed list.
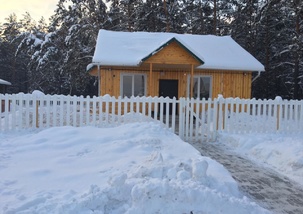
[(227, 83), (173, 54)]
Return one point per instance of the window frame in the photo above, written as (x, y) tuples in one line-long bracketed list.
[(133, 83), (199, 76)]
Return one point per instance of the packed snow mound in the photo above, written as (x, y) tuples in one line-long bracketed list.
[(133, 168), (281, 152)]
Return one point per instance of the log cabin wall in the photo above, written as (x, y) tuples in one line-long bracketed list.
[(227, 83)]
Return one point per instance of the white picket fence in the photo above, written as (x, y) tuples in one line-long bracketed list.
[(192, 120)]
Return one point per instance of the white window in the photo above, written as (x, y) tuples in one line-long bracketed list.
[(133, 85), (202, 87)]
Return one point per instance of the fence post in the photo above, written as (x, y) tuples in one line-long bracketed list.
[(37, 114), (277, 103), (215, 120), (191, 119), (6, 111), (13, 107), (167, 101), (181, 117), (220, 122), (209, 121), (174, 114)]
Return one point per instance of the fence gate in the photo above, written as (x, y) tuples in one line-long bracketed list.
[(198, 119)]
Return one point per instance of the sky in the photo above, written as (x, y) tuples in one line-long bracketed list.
[(36, 8)]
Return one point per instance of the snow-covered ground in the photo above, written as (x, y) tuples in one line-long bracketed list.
[(132, 168), (283, 153)]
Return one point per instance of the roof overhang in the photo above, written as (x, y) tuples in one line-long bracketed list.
[(4, 82)]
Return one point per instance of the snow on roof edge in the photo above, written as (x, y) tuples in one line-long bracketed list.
[(4, 82), (244, 69)]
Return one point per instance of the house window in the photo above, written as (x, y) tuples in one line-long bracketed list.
[(133, 85), (202, 87)]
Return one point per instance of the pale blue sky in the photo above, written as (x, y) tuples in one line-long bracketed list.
[(36, 8)]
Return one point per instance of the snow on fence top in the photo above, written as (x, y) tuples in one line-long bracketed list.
[(130, 48)]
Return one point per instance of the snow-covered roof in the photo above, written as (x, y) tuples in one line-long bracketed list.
[(131, 48), (3, 82)]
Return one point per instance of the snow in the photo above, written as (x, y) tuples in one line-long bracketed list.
[(129, 48), (4, 82), (283, 153), (132, 168), (38, 94)]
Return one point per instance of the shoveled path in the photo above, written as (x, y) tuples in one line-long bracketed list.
[(269, 189)]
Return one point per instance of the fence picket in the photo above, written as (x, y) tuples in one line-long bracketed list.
[(181, 117), (208, 122), (197, 121), (13, 112), (214, 120), (20, 110), (203, 118), (119, 110), (68, 108), (143, 101), (167, 111), (161, 109), (187, 119), (125, 106), (220, 115), (149, 107), (81, 111), (191, 119), (107, 110), (155, 108), (34, 111), (113, 110), (173, 123), (100, 111)]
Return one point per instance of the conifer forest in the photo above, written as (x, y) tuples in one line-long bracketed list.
[(52, 55)]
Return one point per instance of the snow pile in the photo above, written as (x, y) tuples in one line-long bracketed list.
[(133, 168), (283, 153), (38, 94)]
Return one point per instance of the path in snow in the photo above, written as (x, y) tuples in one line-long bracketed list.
[(269, 189)]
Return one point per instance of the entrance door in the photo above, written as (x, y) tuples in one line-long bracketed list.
[(168, 88)]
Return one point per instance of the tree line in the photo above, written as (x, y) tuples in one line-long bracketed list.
[(52, 56)]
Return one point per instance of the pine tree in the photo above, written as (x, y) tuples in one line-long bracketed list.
[(282, 48), (12, 67)]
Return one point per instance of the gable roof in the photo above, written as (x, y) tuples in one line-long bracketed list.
[(132, 48), (169, 42)]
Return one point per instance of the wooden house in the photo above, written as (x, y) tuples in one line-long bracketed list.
[(174, 65)]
